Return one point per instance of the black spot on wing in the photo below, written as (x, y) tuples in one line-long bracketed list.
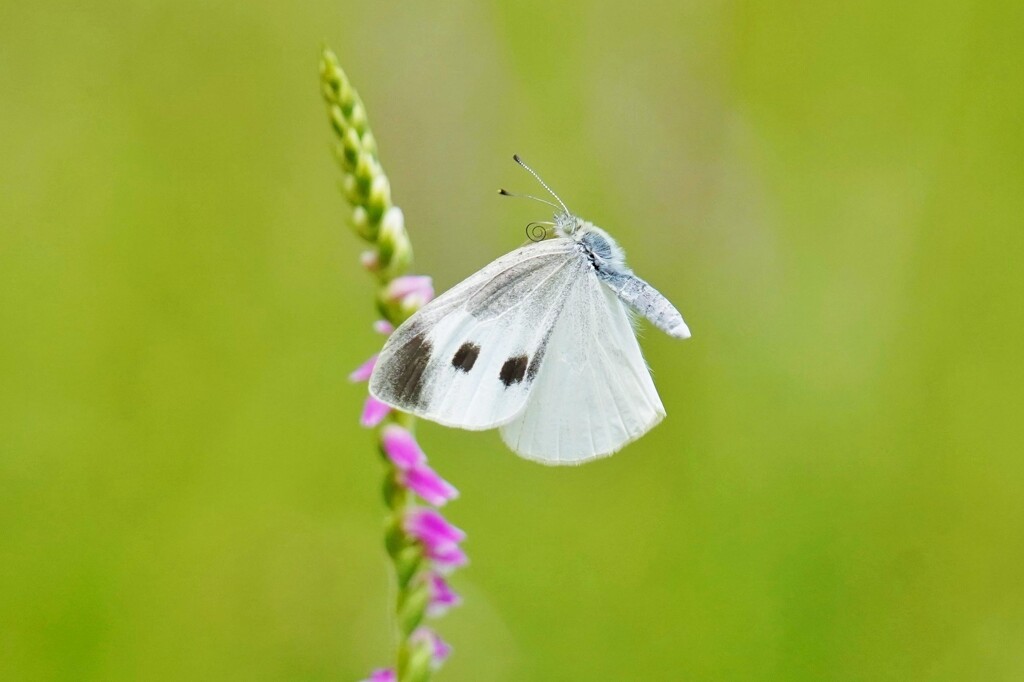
[(513, 371), (465, 356), (412, 358)]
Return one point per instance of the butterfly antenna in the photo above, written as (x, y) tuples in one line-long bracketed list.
[(543, 184), (506, 193)]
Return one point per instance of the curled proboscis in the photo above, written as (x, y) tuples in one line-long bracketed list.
[(536, 232)]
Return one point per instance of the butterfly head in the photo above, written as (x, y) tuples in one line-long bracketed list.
[(566, 224)]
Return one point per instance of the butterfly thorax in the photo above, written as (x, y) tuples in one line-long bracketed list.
[(604, 254)]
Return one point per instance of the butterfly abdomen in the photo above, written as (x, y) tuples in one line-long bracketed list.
[(647, 301)]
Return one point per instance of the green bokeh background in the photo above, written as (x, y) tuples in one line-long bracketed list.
[(831, 193)]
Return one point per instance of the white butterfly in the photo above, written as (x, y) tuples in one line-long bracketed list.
[(537, 343)]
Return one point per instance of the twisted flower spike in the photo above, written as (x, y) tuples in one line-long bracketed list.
[(422, 544)]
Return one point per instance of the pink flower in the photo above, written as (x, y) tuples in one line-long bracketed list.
[(439, 539), (374, 412), (401, 447), (363, 371), (405, 453), (442, 596), (411, 291), (440, 649), (433, 530), (447, 558), (383, 327), (426, 483), (382, 675)]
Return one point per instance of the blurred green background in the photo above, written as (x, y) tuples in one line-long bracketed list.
[(831, 193)]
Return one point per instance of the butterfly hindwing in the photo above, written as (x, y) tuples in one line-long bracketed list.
[(593, 393), (469, 358)]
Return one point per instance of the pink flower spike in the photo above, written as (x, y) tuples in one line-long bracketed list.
[(442, 596), (401, 447), (382, 675), (426, 483), (440, 649), (433, 530), (374, 412), (383, 327), (363, 372), (410, 288)]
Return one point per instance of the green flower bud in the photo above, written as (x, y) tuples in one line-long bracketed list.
[(395, 247), (364, 172), (379, 199), (369, 143), (361, 222), (337, 119), (358, 116), (351, 144), (350, 189)]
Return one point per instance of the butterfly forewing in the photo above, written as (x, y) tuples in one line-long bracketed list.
[(469, 359)]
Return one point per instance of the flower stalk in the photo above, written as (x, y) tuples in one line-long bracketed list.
[(421, 544)]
